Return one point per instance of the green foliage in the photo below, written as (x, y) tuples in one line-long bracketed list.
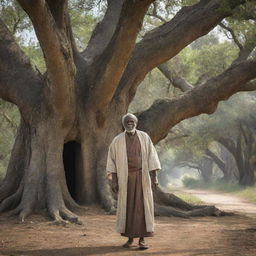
[(247, 193), (228, 5), (245, 12), (21, 27), (34, 52), (190, 182), (154, 86), (207, 60), (16, 19), (217, 185), (170, 7), (244, 30), (188, 198), (9, 120), (243, 25), (206, 41), (83, 24)]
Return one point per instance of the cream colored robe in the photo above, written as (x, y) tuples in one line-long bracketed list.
[(117, 163)]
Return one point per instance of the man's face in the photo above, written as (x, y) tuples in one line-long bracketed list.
[(129, 124)]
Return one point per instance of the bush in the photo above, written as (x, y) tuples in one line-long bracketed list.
[(190, 182), (248, 193)]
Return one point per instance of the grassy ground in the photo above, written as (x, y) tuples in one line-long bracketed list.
[(187, 197), (248, 193), (184, 196)]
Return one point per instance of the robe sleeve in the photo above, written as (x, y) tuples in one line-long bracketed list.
[(153, 160), (111, 161)]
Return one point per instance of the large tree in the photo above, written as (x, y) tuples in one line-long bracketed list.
[(76, 105)]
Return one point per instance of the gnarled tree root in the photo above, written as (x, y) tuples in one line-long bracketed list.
[(167, 204), (11, 201), (161, 210)]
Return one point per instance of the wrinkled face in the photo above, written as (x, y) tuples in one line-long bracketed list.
[(129, 124)]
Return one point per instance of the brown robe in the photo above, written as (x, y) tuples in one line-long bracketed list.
[(135, 215)]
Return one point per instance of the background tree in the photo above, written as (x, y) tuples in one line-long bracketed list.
[(243, 150), (204, 166), (225, 163), (206, 134), (76, 105)]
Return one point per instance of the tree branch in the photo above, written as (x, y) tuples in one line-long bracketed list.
[(48, 24), (245, 49), (231, 31), (59, 11), (110, 56), (164, 42), (248, 47), (216, 159), (19, 83), (164, 114), (103, 32), (176, 80), (228, 143), (155, 14), (191, 164)]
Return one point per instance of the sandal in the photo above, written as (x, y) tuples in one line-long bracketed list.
[(128, 244), (142, 245)]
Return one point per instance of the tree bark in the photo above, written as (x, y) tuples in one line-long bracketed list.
[(221, 164)]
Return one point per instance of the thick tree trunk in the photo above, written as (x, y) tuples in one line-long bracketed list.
[(206, 169), (17, 163), (242, 153), (35, 177)]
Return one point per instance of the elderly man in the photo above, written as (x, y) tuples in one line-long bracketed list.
[(132, 163)]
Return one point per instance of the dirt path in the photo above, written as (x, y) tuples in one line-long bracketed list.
[(224, 201), (206, 236)]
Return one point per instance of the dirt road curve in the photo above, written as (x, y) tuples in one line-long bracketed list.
[(225, 201), (204, 236)]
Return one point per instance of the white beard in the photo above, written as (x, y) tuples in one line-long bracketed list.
[(131, 131)]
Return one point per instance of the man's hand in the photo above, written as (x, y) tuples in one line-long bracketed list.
[(114, 187), (154, 180), (114, 184)]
